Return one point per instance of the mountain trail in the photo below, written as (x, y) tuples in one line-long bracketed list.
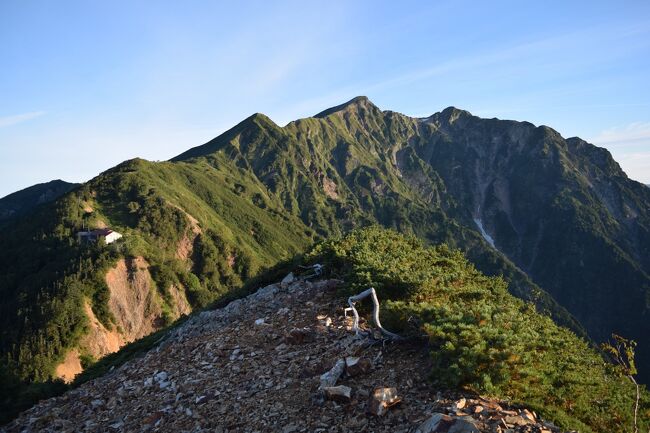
[(284, 359)]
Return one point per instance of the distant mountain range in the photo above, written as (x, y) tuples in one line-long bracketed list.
[(21, 202), (557, 217)]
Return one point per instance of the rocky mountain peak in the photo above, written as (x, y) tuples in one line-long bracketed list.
[(448, 116), (253, 122), (358, 104)]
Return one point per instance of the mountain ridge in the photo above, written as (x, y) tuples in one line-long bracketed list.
[(540, 152), (221, 213), (20, 202)]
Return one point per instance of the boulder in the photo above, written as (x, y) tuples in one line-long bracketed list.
[(441, 423), (516, 420), (460, 404), (290, 278), (464, 425), (528, 416), (340, 393), (436, 423)]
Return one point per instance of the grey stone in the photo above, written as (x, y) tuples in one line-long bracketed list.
[(340, 393), (290, 278), (464, 425), (435, 423), (355, 366)]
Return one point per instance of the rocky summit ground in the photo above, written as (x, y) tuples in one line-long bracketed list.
[(262, 364)]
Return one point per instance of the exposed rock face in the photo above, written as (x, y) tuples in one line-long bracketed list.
[(221, 372), (133, 301), (186, 244), (561, 209), (136, 307), (100, 341), (181, 306)]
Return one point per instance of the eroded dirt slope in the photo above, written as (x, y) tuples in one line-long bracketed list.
[(136, 307)]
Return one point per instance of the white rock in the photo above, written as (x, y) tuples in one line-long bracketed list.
[(329, 379), (383, 399)]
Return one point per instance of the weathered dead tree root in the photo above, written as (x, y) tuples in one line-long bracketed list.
[(317, 271), (375, 313)]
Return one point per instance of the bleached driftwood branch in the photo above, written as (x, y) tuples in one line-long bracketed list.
[(316, 268), (375, 312)]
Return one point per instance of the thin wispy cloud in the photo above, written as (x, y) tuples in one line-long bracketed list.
[(19, 118), (543, 52), (509, 53), (636, 165), (637, 133), (630, 146)]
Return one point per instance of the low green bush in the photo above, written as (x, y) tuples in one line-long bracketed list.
[(480, 337)]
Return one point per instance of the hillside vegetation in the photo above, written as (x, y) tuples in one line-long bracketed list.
[(480, 337), (42, 315)]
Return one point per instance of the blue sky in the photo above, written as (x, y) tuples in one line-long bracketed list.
[(85, 85)]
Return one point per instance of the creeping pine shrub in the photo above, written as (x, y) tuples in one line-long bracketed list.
[(480, 337)]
